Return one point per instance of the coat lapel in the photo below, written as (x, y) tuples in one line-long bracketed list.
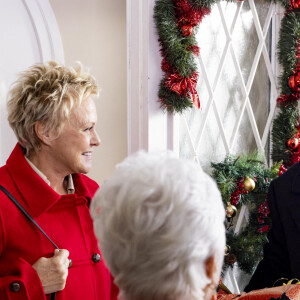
[(36, 193)]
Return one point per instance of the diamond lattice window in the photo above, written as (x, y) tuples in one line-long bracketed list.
[(237, 83)]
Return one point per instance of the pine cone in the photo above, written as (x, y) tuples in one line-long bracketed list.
[(230, 259)]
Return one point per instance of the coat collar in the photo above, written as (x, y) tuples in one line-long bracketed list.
[(37, 194)]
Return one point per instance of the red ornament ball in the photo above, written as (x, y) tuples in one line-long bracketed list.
[(297, 79), (296, 4), (292, 84), (187, 30), (293, 143)]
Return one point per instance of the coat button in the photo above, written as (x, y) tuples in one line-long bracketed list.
[(96, 257), (70, 263), (14, 287)]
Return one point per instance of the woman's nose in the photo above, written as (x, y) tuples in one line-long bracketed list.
[(95, 141)]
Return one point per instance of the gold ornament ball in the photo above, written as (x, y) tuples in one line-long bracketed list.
[(227, 250), (230, 211), (249, 184)]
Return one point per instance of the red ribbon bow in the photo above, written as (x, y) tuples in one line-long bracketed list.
[(184, 86)]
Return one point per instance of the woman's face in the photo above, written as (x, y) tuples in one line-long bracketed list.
[(73, 149)]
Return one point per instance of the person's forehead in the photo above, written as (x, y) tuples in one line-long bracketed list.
[(85, 112)]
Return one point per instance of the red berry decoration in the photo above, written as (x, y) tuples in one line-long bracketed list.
[(240, 189), (282, 169), (187, 30), (263, 229), (293, 143)]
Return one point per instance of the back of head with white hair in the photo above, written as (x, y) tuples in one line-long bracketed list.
[(159, 220)]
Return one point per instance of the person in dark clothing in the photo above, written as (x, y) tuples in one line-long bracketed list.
[(282, 252)]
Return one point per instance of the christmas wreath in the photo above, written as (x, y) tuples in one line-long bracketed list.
[(245, 180), (177, 22)]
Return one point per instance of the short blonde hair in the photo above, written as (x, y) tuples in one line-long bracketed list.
[(46, 93), (158, 220)]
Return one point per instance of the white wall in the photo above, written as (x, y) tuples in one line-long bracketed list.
[(94, 32)]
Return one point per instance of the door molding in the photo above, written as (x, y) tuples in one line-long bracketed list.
[(46, 30), (149, 128)]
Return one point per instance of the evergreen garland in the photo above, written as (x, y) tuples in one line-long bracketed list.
[(287, 47), (283, 128), (172, 41), (176, 23), (286, 125)]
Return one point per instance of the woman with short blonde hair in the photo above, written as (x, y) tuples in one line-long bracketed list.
[(52, 111), (46, 93)]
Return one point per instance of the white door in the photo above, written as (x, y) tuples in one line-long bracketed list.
[(28, 34)]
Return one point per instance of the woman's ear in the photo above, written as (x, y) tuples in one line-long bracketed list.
[(42, 133), (210, 266)]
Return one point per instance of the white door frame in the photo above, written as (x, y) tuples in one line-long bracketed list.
[(149, 128), (46, 30), (46, 39)]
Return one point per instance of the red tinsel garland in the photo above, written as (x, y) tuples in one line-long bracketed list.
[(286, 100), (188, 15), (166, 66), (195, 49)]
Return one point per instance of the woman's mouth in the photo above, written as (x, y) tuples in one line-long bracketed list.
[(88, 154)]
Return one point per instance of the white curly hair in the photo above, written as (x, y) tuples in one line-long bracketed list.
[(158, 220)]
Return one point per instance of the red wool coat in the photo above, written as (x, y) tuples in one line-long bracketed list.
[(65, 219)]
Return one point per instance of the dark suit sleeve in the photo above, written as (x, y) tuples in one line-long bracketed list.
[(275, 263)]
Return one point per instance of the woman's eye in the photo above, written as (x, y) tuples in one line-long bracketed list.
[(89, 128)]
